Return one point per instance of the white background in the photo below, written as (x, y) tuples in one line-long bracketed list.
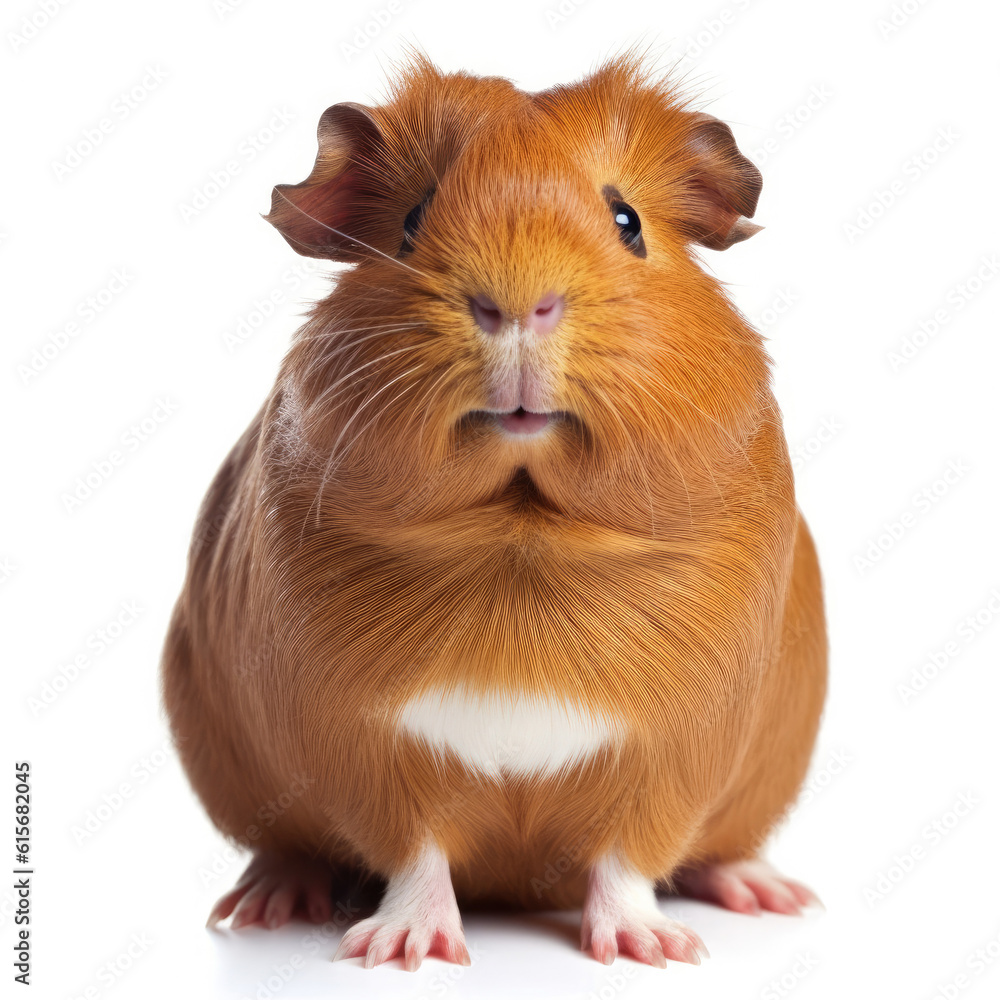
[(869, 437)]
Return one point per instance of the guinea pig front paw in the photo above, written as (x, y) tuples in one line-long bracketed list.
[(408, 936), (647, 936), (746, 887), (418, 914), (620, 916), (273, 889)]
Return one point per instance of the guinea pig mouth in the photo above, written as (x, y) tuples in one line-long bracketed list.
[(519, 423), (523, 421)]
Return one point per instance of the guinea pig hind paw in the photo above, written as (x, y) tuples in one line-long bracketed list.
[(273, 889), (745, 887)]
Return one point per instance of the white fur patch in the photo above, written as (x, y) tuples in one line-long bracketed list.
[(506, 732)]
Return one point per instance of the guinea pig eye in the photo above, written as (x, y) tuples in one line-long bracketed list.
[(629, 227), (411, 224)]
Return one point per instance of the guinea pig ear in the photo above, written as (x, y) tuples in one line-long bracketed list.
[(324, 215), (722, 187)]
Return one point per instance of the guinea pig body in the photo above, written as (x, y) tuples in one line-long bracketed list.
[(504, 595)]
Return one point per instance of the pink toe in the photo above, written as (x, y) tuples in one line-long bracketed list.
[(605, 949), (734, 894), (454, 949), (682, 949), (224, 907), (804, 896), (250, 908), (354, 944), (318, 905), (278, 910), (413, 954), (775, 897), (384, 945)]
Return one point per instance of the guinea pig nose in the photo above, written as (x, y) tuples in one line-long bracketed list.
[(486, 313), (546, 313)]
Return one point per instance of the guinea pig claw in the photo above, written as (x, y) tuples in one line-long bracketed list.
[(273, 889), (806, 897), (649, 938), (224, 907), (620, 915), (377, 942), (748, 886), (418, 913)]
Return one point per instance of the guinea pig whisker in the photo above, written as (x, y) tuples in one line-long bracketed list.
[(434, 389), (324, 360), (353, 345), (329, 471), (677, 423), (649, 489), (347, 447), (353, 239), (331, 466), (741, 448), (344, 331), (343, 378)]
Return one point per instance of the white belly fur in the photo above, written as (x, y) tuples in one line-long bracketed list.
[(506, 732)]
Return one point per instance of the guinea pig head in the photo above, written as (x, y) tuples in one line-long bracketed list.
[(525, 310)]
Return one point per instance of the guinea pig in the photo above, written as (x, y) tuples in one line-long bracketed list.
[(504, 596)]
